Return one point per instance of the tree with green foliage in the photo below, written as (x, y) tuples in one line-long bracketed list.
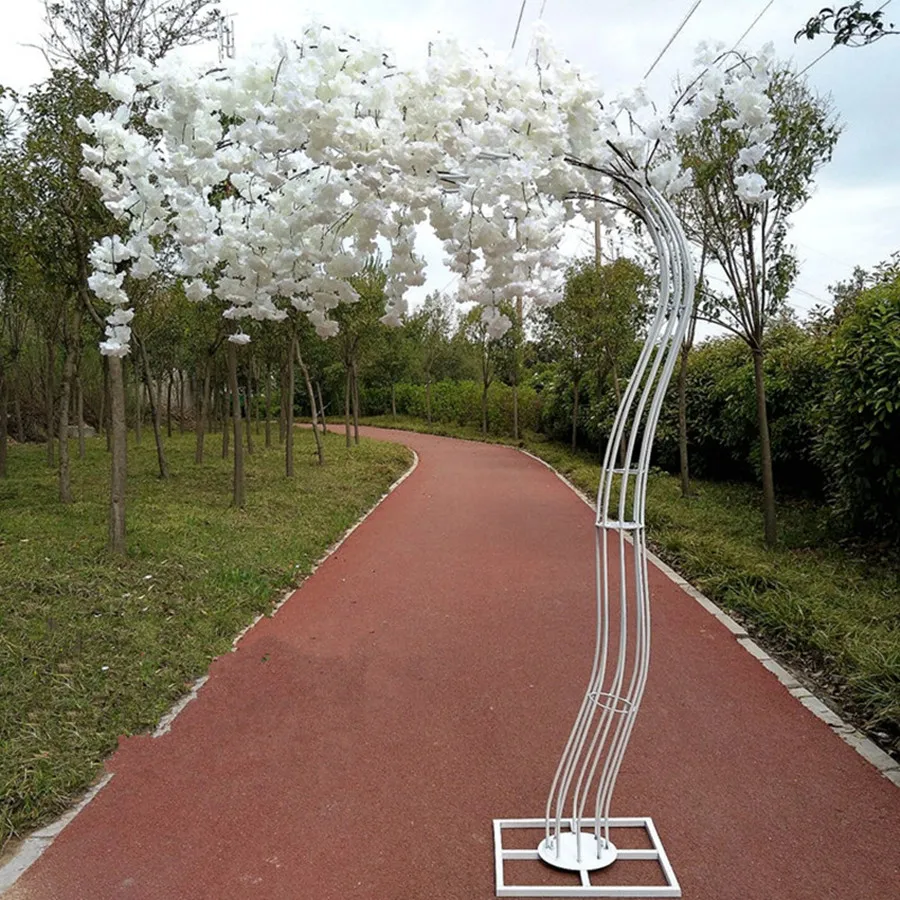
[(105, 35), (860, 443), (749, 240), (849, 25), (593, 329)]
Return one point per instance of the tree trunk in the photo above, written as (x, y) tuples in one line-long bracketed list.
[(428, 399), (155, 411), (355, 404), (138, 404), (321, 407), (393, 400), (517, 366), (268, 408), (247, 400), (312, 403), (20, 422), (169, 405), (515, 388), (576, 391), (65, 402), (51, 366), (79, 412), (4, 422), (484, 408), (204, 414), (226, 433), (119, 442), (238, 493), (682, 422), (765, 450), (104, 405), (180, 401), (289, 413), (282, 406), (347, 408)]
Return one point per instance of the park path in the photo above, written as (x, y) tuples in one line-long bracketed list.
[(421, 683)]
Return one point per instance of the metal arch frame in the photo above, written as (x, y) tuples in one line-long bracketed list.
[(574, 841)]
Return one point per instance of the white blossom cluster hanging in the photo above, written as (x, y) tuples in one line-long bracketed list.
[(268, 183)]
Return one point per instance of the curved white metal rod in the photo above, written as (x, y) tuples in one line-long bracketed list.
[(618, 677)]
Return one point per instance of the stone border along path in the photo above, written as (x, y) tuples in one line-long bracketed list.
[(31, 847), (427, 708), (866, 748)]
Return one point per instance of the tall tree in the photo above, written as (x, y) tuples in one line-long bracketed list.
[(105, 35), (748, 237)]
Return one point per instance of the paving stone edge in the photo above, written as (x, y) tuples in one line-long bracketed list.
[(866, 748), (33, 846)]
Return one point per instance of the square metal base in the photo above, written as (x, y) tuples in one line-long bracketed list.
[(586, 889)]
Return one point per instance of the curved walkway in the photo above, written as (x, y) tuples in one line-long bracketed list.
[(421, 683)]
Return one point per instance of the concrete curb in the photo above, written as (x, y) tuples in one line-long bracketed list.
[(866, 748), (33, 846)]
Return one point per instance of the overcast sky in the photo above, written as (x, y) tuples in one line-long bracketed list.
[(852, 218)]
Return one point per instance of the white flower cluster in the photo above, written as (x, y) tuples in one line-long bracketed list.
[(268, 183)]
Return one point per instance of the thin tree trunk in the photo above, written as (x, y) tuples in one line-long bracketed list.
[(65, 401), (682, 423), (155, 412), (765, 450), (138, 404), (247, 400), (204, 414), (321, 407), (517, 366), (312, 403), (104, 405), (393, 400), (169, 405), (79, 412), (238, 493), (257, 404), (347, 408), (226, 433), (428, 399), (119, 457), (484, 408), (20, 423), (4, 426), (282, 411), (49, 406), (289, 411), (180, 401), (268, 407), (355, 404), (576, 391)]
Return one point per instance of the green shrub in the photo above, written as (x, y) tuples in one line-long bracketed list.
[(860, 437)]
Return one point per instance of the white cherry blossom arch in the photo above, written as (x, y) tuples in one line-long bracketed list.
[(265, 184)]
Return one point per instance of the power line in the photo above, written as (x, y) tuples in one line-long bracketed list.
[(678, 30), (823, 55), (518, 24), (752, 25)]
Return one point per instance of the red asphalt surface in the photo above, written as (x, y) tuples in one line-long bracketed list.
[(422, 683)]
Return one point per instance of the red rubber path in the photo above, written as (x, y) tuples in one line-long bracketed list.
[(422, 682)]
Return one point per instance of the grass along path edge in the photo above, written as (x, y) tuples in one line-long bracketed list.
[(92, 648), (830, 613)]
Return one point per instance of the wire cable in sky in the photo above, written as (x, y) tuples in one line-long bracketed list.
[(752, 25), (518, 24), (823, 55), (684, 22)]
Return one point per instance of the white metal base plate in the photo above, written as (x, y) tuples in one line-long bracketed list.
[(576, 852), (655, 852)]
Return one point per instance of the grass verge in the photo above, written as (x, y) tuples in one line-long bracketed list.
[(831, 612), (93, 647)]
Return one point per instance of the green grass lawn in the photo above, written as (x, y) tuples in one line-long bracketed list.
[(92, 647), (831, 612)]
